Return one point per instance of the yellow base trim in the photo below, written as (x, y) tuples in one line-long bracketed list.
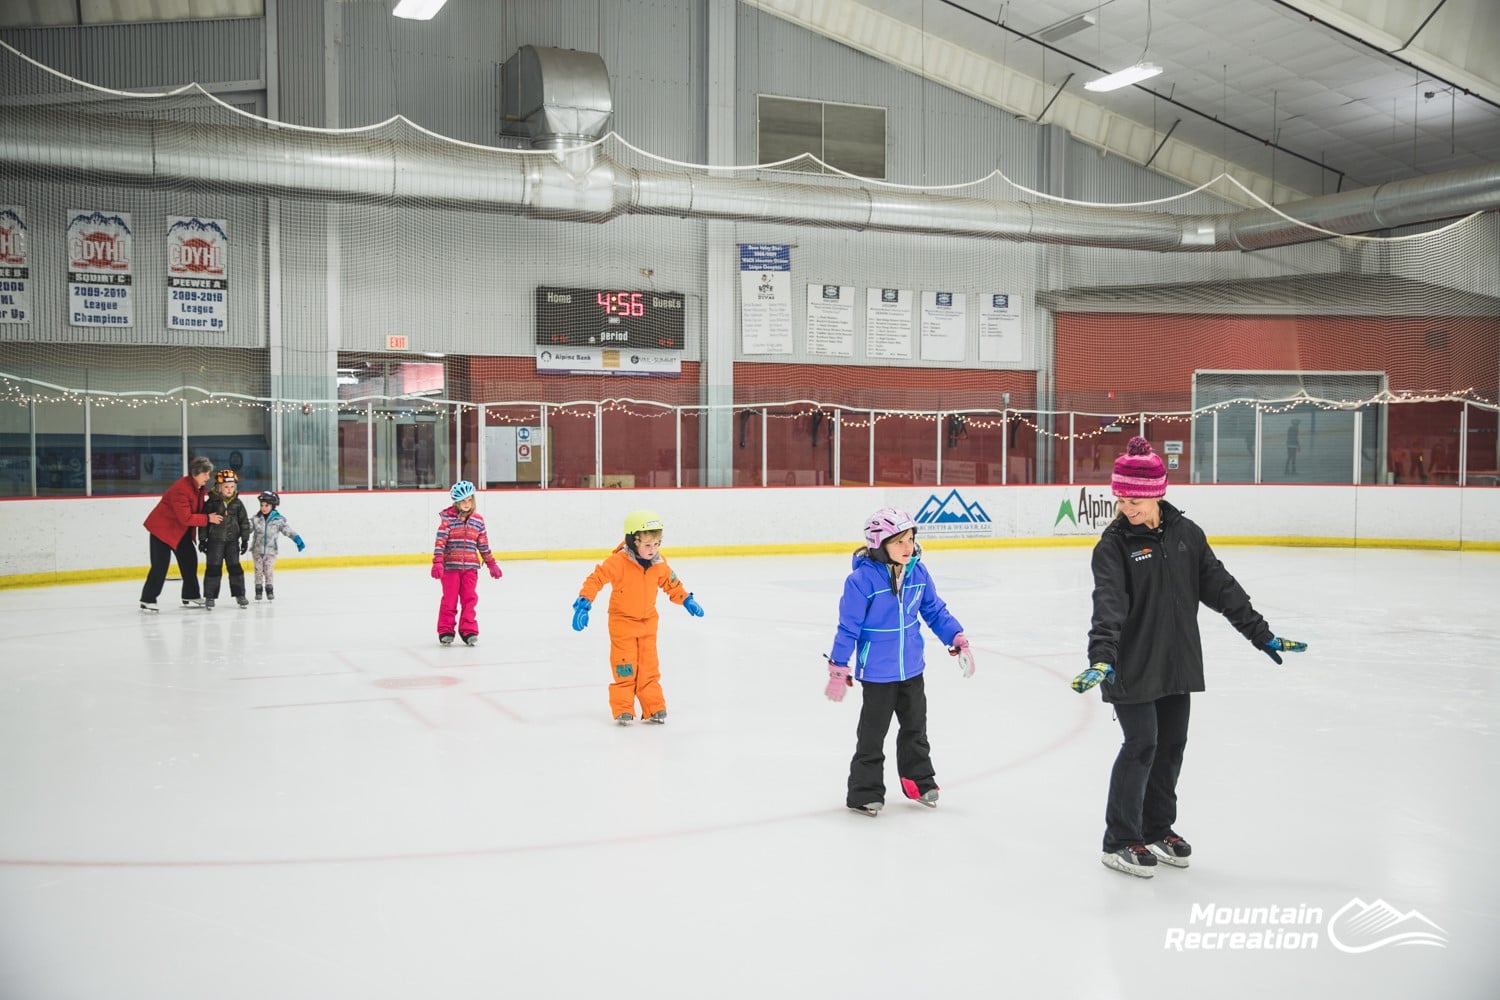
[(138, 573)]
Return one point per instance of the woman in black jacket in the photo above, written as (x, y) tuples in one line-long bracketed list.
[(1152, 567)]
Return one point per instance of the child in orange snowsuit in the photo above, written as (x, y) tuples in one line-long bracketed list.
[(635, 571)]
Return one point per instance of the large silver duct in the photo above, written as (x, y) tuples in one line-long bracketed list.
[(294, 163)]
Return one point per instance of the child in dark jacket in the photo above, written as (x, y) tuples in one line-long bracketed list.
[(1152, 568), (462, 545), (226, 541), (879, 643)]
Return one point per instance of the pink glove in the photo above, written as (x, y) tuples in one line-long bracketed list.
[(437, 571), (960, 649), (495, 573), (838, 681)]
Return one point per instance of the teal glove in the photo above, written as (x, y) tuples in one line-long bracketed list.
[(693, 607), (1093, 675), (581, 614), (298, 540), (1283, 645)]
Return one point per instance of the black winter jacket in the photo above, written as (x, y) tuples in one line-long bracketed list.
[(1147, 587), (236, 524)]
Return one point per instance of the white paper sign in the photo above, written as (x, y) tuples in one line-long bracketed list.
[(888, 323), (15, 266), (1000, 331), (830, 320), (197, 279), (765, 298), (945, 317), (100, 268)]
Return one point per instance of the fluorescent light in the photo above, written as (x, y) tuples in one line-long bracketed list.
[(1124, 78), (1063, 29), (418, 10)]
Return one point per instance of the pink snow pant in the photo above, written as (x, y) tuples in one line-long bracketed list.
[(459, 588)]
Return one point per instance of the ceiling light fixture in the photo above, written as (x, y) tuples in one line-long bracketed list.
[(1071, 26), (1124, 78), (418, 10)]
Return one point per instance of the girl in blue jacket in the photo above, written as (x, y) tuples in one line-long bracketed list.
[(879, 643)]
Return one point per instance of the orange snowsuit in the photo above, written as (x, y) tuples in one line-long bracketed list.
[(634, 670)]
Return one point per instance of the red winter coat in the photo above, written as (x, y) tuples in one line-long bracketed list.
[(179, 509)]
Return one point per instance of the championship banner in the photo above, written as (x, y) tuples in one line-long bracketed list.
[(15, 266), (1000, 332), (197, 282), (100, 269), (765, 298), (830, 320), (945, 319)]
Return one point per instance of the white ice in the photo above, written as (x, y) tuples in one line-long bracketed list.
[(313, 799)]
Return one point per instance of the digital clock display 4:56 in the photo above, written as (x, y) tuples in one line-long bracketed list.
[(609, 317)]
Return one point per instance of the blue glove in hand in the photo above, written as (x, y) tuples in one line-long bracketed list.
[(298, 540), (581, 614), (1284, 646), (1093, 675), (693, 607)]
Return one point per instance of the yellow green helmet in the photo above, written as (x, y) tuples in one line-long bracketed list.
[(642, 520)]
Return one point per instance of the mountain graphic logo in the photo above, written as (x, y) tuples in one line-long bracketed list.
[(952, 509), (1066, 511), (1359, 927)]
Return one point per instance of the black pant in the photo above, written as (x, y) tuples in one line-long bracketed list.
[(908, 701), (1143, 785), (223, 555), (161, 558)]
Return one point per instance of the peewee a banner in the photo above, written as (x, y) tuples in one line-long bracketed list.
[(101, 263), (15, 266), (197, 279), (765, 298)]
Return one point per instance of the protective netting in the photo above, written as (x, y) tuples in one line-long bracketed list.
[(385, 308)]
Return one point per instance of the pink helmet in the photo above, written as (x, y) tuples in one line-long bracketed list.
[(884, 523)]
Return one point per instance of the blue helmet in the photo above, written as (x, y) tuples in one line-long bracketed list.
[(462, 490)]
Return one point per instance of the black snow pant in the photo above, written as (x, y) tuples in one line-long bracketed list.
[(221, 556), (161, 560), (1143, 785), (907, 700)]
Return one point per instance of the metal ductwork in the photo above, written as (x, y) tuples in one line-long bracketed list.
[(555, 98), (577, 185)]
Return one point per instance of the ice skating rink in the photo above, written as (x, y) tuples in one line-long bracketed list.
[(313, 799)]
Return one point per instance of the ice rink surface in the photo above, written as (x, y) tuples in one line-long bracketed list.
[(313, 799)]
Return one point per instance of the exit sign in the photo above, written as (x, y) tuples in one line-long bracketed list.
[(395, 342)]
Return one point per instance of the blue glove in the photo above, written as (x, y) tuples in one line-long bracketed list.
[(1284, 646), (581, 614), (693, 607), (1093, 675), (298, 540)]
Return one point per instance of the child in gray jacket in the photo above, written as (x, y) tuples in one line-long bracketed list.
[(264, 528)]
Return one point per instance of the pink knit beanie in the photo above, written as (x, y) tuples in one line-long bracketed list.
[(1139, 472)]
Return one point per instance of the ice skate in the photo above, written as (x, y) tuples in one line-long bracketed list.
[(657, 718), (624, 719), (149, 607), (471, 640), (208, 602), (1132, 860), (196, 602), (928, 798), (446, 638), (270, 593), (242, 601), (1172, 850), (260, 592), (869, 808)]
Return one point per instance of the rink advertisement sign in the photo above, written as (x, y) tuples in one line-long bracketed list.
[(15, 266), (607, 361), (1085, 512), (953, 517), (1355, 928), (197, 285), (101, 265)]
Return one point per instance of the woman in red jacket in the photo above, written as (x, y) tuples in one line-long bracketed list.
[(171, 523)]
